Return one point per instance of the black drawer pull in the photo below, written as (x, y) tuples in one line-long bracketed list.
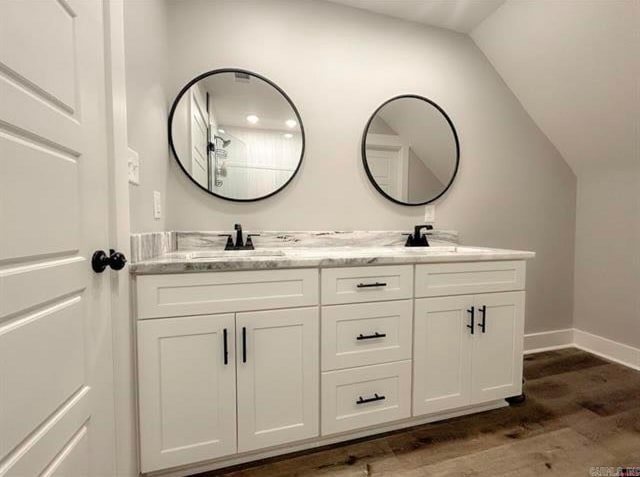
[(472, 310), (370, 337), (244, 344), (226, 349), (371, 285), (483, 323), (375, 397)]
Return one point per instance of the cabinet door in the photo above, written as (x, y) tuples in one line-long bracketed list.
[(442, 354), (278, 377), (187, 392), (497, 349)]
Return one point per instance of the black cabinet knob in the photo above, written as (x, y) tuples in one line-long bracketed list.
[(100, 260)]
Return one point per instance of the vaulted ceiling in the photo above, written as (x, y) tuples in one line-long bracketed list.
[(459, 15), (574, 65)]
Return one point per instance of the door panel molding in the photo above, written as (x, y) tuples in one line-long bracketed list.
[(282, 359), (442, 354), (55, 321), (188, 394)]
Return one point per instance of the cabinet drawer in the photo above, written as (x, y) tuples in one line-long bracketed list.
[(442, 279), (220, 292), (361, 397), (366, 333), (361, 284)]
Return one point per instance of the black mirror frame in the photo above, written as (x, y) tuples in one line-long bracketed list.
[(364, 149), (266, 80)]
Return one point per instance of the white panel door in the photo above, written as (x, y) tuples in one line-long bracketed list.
[(442, 354), (187, 390), (278, 377), (199, 137), (386, 168), (497, 346), (56, 371)]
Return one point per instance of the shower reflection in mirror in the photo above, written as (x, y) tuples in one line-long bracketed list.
[(236, 135)]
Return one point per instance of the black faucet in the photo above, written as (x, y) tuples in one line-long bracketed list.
[(239, 244), (417, 239), (239, 240)]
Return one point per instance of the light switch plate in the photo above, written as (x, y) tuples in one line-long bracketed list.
[(430, 214), (157, 205), (133, 160)]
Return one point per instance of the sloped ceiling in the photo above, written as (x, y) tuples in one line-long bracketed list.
[(575, 67), (459, 15), (573, 64)]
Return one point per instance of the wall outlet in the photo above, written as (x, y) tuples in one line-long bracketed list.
[(157, 205), (133, 160), (430, 214)]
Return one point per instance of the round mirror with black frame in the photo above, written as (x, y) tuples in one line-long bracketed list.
[(236, 135), (410, 150)]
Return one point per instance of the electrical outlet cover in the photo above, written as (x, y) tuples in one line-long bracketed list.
[(133, 160), (157, 205), (430, 213)]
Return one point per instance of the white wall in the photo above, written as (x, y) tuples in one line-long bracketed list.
[(181, 130), (607, 283), (338, 64), (147, 63), (576, 69), (422, 181)]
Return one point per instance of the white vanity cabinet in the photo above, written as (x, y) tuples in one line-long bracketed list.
[(238, 365), (468, 348), (213, 385)]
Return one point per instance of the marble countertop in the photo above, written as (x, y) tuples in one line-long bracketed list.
[(205, 260)]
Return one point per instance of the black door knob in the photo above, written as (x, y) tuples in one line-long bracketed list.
[(101, 260)]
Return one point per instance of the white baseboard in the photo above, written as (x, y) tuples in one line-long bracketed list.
[(606, 348), (575, 338), (548, 340)]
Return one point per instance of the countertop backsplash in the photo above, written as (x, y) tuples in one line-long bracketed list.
[(146, 246)]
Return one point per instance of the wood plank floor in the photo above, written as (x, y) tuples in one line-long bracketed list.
[(581, 412)]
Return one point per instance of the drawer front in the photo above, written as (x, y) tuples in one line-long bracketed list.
[(362, 284), (366, 333), (362, 397), (442, 279), (220, 292)]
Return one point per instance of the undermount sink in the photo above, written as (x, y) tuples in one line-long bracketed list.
[(233, 253)]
